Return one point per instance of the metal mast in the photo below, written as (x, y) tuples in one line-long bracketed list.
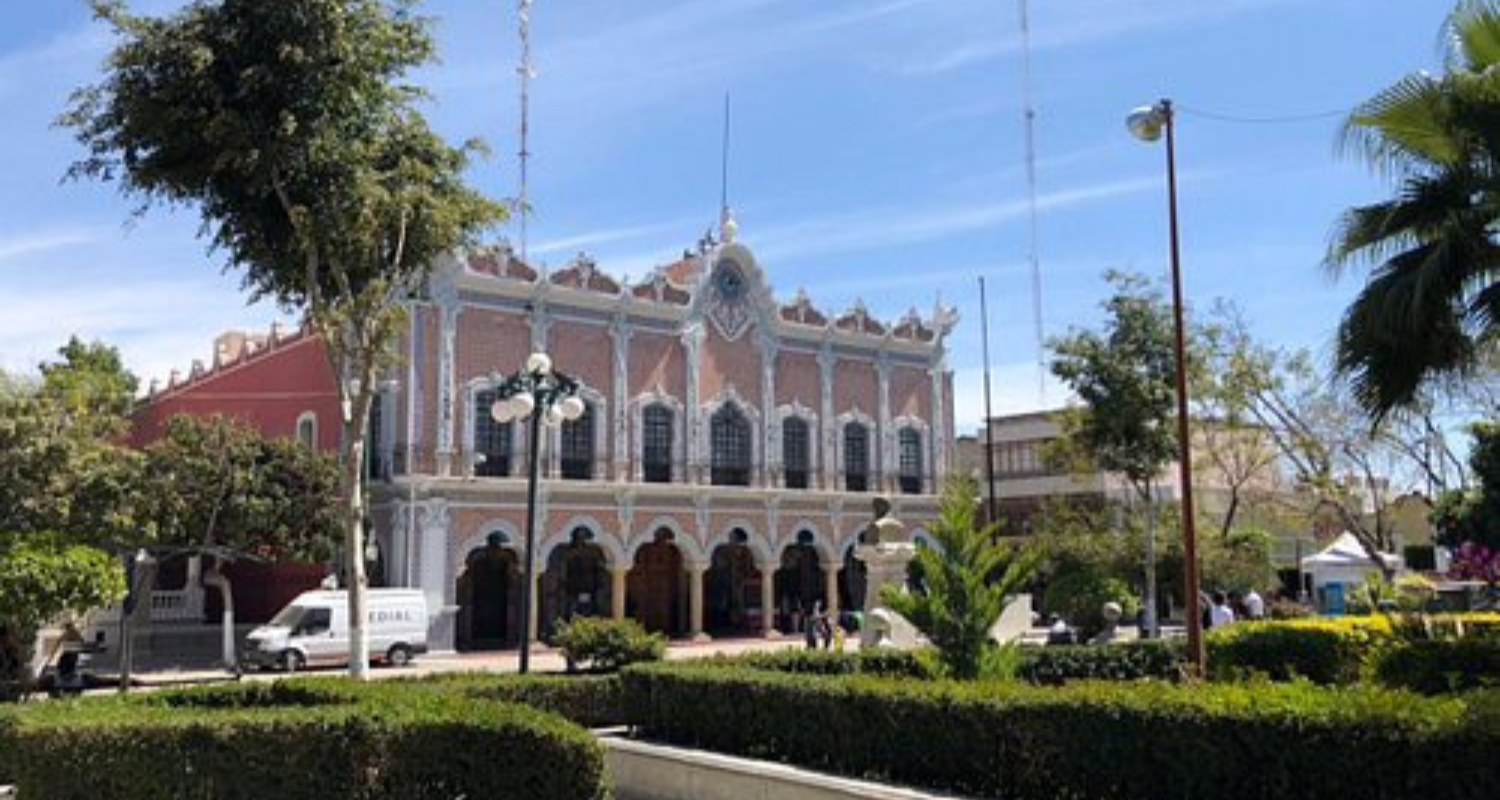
[(1029, 122), (526, 72)]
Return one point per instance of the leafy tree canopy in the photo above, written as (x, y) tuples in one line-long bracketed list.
[(1430, 306), (1124, 375), (966, 582), (90, 382), (217, 481)]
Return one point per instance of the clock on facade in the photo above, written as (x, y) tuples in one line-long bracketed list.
[(731, 306)]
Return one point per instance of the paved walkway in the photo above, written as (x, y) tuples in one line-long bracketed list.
[(543, 659)]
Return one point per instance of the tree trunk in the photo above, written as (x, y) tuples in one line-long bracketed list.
[(1150, 620)]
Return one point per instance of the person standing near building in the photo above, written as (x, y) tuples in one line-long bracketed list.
[(1220, 614), (1255, 606)]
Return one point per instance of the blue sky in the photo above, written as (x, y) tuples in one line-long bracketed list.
[(877, 154)]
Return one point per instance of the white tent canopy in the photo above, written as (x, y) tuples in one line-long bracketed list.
[(1346, 551)]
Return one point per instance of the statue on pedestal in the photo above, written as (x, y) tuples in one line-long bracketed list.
[(886, 549)]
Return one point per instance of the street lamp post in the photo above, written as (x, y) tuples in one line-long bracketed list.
[(1147, 124), (536, 392)]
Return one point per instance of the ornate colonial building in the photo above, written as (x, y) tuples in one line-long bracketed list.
[(715, 484)]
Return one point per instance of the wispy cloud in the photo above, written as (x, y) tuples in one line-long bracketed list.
[(890, 226), (1083, 23), (568, 245), (26, 244)]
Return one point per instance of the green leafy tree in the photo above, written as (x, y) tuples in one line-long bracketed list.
[(216, 481), (90, 382), (966, 582), (1473, 515), (41, 577), (1430, 305), (1125, 376), (292, 129), (62, 468)]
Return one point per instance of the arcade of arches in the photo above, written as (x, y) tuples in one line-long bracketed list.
[(734, 594)]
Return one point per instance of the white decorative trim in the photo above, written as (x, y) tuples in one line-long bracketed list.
[(614, 552), (814, 451), (759, 544), (827, 363), (926, 473), (621, 332), (595, 399), (311, 418), (687, 544), (692, 342), (841, 423), (447, 335), (519, 430), (820, 542), (637, 413), (730, 395)]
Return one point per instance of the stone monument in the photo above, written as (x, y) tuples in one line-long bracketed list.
[(886, 550)]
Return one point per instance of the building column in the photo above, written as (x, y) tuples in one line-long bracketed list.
[(447, 343), (828, 433), (617, 582), (695, 601), (768, 601), (692, 342), (620, 333), (888, 459), (536, 597), (831, 589)]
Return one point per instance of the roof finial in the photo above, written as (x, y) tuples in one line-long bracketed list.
[(728, 228)]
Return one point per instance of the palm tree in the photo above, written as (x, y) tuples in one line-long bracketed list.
[(1431, 307)]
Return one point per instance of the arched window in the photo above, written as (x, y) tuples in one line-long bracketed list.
[(307, 429), (856, 457), (577, 454), (494, 443), (910, 444), (796, 460), (730, 447), (656, 444)]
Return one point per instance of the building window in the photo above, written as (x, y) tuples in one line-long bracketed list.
[(307, 429), (656, 444), (374, 448), (494, 443), (795, 457), (578, 446), (730, 447), (856, 457), (910, 444)]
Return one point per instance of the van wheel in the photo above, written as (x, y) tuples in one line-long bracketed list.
[(398, 656), (291, 661)]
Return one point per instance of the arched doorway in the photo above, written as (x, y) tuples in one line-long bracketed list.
[(489, 597), (654, 588), (576, 582), (852, 582), (799, 584), (732, 589)]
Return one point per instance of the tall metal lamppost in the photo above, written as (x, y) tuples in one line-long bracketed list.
[(539, 393), (1147, 124)]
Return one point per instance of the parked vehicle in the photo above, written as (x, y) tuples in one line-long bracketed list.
[(314, 630)]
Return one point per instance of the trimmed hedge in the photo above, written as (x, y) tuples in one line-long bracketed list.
[(1158, 659), (889, 663), (1438, 666), (606, 645), (1326, 651), (321, 739), (592, 701), (1096, 740)]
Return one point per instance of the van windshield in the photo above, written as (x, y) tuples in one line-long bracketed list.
[(288, 617)]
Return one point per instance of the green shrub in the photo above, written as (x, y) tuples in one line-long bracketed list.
[(592, 701), (1322, 651), (324, 739), (1080, 595), (1096, 740), (605, 645), (1437, 666), (1160, 659), (885, 662)]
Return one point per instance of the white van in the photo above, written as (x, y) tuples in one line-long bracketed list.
[(314, 630)]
